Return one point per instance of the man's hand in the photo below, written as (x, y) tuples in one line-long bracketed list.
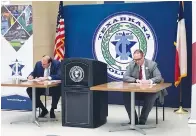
[(30, 77), (145, 86), (145, 82), (138, 81), (43, 78)]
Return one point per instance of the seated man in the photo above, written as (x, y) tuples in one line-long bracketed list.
[(46, 69), (143, 71)]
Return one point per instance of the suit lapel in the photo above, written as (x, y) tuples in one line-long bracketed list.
[(42, 71), (146, 70), (136, 69), (51, 69)]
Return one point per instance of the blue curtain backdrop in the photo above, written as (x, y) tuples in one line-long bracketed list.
[(81, 22)]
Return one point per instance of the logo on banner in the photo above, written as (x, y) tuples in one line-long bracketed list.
[(16, 24), (118, 36), (76, 74), (16, 67)]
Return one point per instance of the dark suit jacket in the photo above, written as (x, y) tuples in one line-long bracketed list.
[(55, 70)]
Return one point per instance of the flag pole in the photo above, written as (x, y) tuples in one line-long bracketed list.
[(181, 56), (180, 110)]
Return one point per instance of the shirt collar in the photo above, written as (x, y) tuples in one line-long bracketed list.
[(49, 66), (143, 65)]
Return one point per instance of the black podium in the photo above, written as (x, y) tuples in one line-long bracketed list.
[(80, 106)]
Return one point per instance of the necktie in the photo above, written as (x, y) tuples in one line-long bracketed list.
[(140, 73)]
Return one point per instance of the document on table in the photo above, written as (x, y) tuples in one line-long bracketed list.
[(48, 81), (55, 81), (141, 84), (34, 80)]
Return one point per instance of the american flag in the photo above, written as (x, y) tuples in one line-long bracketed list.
[(59, 48)]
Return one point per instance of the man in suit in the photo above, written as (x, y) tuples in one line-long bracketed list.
[(46, 69), (142, 71)]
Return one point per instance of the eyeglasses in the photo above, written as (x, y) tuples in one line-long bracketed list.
[(136, 60)]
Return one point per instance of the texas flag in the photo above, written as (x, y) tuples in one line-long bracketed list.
[(181, 47)]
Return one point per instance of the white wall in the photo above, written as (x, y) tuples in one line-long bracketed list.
[(193, 95)]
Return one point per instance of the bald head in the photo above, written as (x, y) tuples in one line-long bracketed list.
[(45, 61)]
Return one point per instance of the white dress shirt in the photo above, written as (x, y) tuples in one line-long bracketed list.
[(47, 72), (143, 71), (144, 74)]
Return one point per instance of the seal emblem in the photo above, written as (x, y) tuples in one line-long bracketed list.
[(76, 74), (118, 36)]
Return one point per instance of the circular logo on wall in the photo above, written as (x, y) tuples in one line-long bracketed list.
[(76, 74), (118, 36)]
